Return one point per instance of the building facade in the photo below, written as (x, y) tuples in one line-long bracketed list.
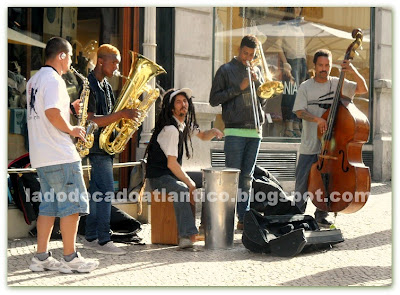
[(191, 43), (316, 27)]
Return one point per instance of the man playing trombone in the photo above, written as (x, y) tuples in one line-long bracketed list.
[(243, 116)]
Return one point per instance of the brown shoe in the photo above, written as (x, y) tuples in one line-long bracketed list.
[(198, 238), (239, 225)]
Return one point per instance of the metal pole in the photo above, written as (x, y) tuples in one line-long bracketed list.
[(149, 50), (85, 167)]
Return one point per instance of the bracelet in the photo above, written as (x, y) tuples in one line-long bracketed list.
[(73, 110)]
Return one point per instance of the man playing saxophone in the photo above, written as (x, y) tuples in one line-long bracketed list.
[(58, 164), (101, 103)]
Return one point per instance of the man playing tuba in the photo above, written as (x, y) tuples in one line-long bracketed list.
[(101, 103)]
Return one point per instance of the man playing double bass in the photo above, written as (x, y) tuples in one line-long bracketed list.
[(314, 96)]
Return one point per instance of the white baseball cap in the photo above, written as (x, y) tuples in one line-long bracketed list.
[(187, 91)]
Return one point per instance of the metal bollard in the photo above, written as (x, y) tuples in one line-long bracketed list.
[(220, 185)]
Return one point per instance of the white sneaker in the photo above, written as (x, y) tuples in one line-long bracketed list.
[(185, 243), (110, 248), (49, 264), (94, 245), (78, 264)]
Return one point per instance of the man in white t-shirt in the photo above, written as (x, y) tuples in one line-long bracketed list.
[(174, 127), (53, 153), (313, 98)]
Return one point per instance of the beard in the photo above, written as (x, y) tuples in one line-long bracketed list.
[(181, 113), (322, 75)]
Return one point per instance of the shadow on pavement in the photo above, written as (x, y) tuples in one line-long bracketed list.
[(367, 241), (381, 188), (344, 276)]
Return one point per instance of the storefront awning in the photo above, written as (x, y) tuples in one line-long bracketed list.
[(19, 38)]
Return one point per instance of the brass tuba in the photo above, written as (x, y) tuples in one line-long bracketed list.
[(142, 70), (90, 126), (268, 88)]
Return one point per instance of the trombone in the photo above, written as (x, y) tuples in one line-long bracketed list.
[(268, 88), (254, 99)]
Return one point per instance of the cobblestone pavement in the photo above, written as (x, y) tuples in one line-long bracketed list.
[(364, 259)]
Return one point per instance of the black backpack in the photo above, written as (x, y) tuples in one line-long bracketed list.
[(124, 228), (265, 182), (23, 188)]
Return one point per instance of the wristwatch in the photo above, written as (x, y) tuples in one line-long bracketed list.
[(73, 110)]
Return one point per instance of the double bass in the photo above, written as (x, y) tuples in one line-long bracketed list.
[(339, 181)]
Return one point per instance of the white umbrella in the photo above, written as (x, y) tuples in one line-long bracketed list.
[(291, 29), (315, 35)]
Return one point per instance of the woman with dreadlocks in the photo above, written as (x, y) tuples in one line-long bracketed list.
[(174, 128)]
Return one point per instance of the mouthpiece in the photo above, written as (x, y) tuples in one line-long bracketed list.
[(118, 74)]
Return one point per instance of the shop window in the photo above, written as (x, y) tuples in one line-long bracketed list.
[(291, 37), (28, 31)]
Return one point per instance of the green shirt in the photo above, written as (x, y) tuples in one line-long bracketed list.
[(242, 132)]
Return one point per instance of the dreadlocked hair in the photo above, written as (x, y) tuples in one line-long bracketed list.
[(165, 118)]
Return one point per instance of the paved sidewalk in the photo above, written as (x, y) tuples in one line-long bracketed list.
[(363, 259)]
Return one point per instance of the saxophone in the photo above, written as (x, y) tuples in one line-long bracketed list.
[(142, 70), (90, 126)]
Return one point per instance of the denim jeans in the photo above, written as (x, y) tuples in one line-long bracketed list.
[(299, 70), (65, 188), (299, 73), (183, 212), (301, 186), (241, 153), (101, 185)]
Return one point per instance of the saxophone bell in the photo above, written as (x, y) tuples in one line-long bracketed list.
[(91, 127)]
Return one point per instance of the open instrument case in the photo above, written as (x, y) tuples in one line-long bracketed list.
[(286, 235)]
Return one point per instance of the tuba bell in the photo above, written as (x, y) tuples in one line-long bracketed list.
[(268, 88), (142, 71)]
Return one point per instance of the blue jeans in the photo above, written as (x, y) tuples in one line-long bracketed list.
[(301, 186), (241, 153), (100, 188), (63, 190), (299, 70), (183, 212), (299, 73)]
